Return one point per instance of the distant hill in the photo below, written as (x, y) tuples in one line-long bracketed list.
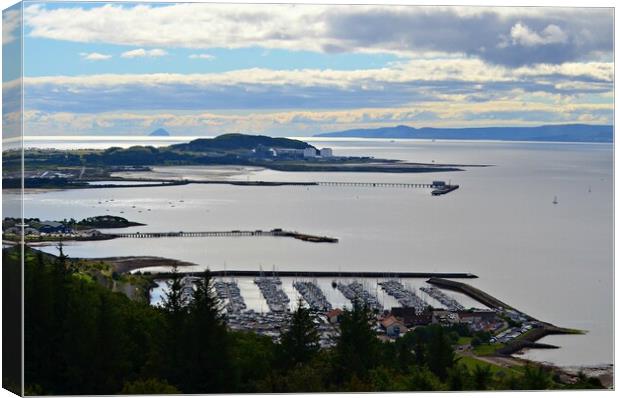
[(160, 133), (229, 142), (556, 133)]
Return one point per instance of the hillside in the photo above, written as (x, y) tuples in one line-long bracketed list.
[(555, 133), (232, 142)]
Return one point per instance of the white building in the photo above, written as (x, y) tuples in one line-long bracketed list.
[(309, 152), (326, 153)]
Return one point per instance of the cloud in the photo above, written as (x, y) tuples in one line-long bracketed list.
[(552, 34), (440, 81), (504, 35), (208, 57), (11, 24), (95, 56), (142, 53), (455, 113)]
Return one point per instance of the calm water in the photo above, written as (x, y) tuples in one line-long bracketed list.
[(554, 262)]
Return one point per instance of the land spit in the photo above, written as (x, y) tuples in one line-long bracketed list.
[(526, 340)]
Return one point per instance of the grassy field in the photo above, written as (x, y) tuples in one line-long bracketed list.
[(471, 363), (487, 349)]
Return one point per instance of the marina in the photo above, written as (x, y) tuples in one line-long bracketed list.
[(313, 296), (405, 297), (356, 291), (271, 288), (443, 298)]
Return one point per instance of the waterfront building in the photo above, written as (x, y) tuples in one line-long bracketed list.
[(334, 315), (309, 153), (326, 153), (393, 326)]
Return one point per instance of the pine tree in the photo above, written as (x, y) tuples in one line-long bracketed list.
[(357, 348), (175, 310), (440, 355), (207, 358), (300, 343), (482, 377)]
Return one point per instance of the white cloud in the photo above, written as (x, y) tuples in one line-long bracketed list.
[(10, 25), (207, 57), (453, 112), (142, 53), (429, 70), (523, 35), (95, 56), (328, 28)]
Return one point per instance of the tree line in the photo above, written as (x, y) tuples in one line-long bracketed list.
[(81, 338)]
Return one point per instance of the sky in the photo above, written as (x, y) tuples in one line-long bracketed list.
[(296, 70)]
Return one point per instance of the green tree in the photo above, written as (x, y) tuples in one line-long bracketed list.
[(458, 378), (482, 377), (422, 379), (536, 378), (149, 386), (175, 310), (207, 357), (440, 353), (357, 348), (300, 342)]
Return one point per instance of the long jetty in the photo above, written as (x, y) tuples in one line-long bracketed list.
[(147, 183), (235, 233), (372, 184), (470, 291), (325, 274)]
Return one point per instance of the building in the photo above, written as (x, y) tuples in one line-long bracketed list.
[(393, 327), (288, 152), (51, 227), (30, 231), (326, 153), (411, 317), (309, 152), (444, 317), (476, 316), (264, 152), (334, 315)]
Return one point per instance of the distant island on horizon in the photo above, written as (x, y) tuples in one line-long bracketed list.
[(160, 132), (554, 133)]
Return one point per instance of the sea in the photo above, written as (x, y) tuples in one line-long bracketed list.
[(534, 222)]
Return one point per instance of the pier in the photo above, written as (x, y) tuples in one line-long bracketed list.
[(234, 233), (323, 274), (147, 183), (470, 291), (372, 184)]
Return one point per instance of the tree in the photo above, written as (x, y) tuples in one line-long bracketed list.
[(482, 377), (175, 301), (536, 378), (207, 359), (149, 386), (458, 378), (175, 310), (300, 343), (357, 348), (440, 353), (422, 379)]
